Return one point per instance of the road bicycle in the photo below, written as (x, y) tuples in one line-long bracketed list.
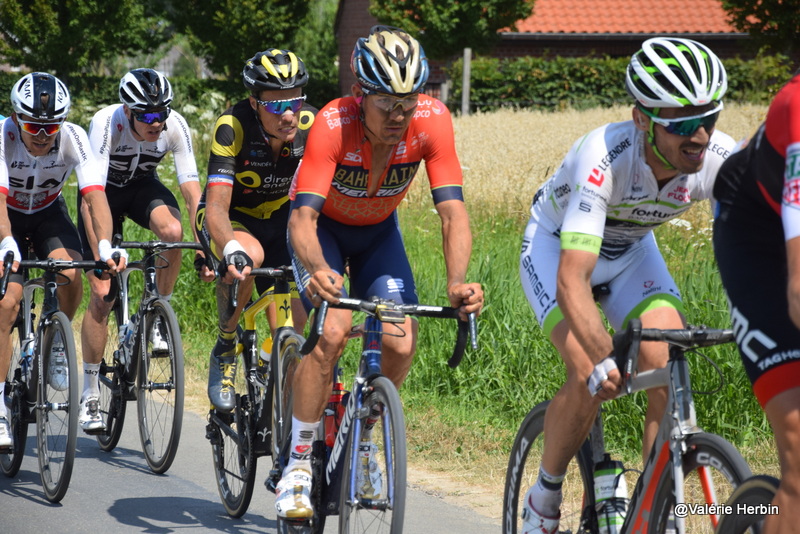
[(250, 430), (37, 390), (748, 506), (336, 461), (686, 466), (143, 361)]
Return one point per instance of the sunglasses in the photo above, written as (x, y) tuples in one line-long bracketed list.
[(687, 126), (149, 117), (387, 103), (33, 128), (279, 107)]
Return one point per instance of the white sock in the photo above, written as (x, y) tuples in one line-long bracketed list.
[(91, 381), (3, 412), (302, 438), (545, 496)]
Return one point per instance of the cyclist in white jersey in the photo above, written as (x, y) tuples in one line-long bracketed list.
[(129, 141), (591, 226), (38, 152)]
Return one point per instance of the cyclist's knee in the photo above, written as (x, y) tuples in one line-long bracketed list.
[(171, 231)]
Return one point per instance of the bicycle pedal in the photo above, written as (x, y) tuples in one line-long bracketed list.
[(271, 483), (96, 432)]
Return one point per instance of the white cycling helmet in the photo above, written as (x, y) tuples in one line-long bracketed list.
[(40, 96), (669, 73), (145, 89)]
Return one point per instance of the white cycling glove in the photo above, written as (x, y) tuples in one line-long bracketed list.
[(105, 250), (9, 244), (599, 374)]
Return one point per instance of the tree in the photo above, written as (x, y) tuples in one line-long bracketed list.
[(446, 28), (315, 42), (771, 23), (66, 37)]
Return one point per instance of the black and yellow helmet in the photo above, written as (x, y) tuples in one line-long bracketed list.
[(274, 69)]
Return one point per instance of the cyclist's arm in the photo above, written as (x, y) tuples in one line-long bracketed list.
[(100, 216), (325, 283), (218, 224), (191, 195), (457, 247), (5, 232)]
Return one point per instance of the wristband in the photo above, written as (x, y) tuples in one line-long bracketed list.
[(231, 247)]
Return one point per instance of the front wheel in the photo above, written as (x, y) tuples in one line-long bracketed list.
[(57, 406), (283, 364), (373, 494), (712, 470), (755, 493), (160, 386), (231, 437), (577, 508)]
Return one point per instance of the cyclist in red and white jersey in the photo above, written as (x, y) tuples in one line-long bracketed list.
[(362, 154), (757, 246), (38, 152), (129, 140), (592, 225)]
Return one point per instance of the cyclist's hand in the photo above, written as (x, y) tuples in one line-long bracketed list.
[(324, 285), (467, 297), (606, 380), (236, 264), (205, 273), (9, 244), (106, 253)]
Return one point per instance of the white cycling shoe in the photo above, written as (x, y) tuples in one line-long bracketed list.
[(368, 478), (293, 495), (536, 523)]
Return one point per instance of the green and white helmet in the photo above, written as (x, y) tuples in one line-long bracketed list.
[(670, 73)]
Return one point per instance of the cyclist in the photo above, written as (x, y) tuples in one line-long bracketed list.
[(38, 151), (358, 167), (591, 226), (756, 244), (129, 140), (258, 144)]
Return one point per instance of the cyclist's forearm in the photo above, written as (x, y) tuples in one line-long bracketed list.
[(304, 240), (191, 195), (99, 214), (456, 240)]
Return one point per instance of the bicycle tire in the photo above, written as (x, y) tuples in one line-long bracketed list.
[(283, 364), (727, 469), (233, 456), (755, 491), (11, 461), (577, 508), (112, 385), (385, 512), (160, 387), (57, 410)]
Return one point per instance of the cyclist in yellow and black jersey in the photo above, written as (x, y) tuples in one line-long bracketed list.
[(258, 144)]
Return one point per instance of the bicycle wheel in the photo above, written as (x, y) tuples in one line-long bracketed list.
[(57, 406), (757, 494), (11, 461), (112, 399), (383, 511), (160, 386), (577, 508), (231, 437), (712, 469), (283, 362)]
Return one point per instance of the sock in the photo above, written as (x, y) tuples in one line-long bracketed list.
[(302, 439), (91, 381), (545, 496), (167, 297), (3, 412), (226, 344), (375, 413)]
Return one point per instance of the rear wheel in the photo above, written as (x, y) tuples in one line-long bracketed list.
[(112, 398), (16, 387), (757, 494), (284, 361), (160, 386), (57, 407)]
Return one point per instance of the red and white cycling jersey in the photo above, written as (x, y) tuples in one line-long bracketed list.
[(124, 160), (32, 183)]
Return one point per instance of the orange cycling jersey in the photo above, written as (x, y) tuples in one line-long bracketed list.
[(335, 173)]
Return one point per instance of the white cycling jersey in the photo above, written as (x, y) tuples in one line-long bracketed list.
[(32, 183), (124, 160), (604, 189)]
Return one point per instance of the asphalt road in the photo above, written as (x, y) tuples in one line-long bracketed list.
[(116, 492)]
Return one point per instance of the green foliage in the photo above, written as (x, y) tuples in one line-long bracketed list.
[(587, 82), (446, 28), (67, 37), (771, 23), (315, 42)]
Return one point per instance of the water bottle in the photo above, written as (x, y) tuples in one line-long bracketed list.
[(334, 411), (26, 362), (610, 495), (126, 334), (264, 355)]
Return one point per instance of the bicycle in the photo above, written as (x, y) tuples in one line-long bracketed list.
[(30, 393), (335, 461), (138, 366), (748, 505), (686, 465), (251, 429)]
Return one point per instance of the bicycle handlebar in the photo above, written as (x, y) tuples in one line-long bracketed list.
[(48, 264), (277, 273), (466, 329)]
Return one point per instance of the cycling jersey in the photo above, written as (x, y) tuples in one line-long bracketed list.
[(241, 158), (604, 197), (758, 189), (33, 183), (334, 176), (124, 160)]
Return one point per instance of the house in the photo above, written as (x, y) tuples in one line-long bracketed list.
[(572, 28)]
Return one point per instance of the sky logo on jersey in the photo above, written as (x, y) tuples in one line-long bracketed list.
[(395, 285), (596, 177)]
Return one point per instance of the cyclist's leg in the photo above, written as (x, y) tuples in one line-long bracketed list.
[(9, 309)]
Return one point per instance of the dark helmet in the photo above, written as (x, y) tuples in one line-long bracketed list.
[(389, 61), (274, 69), (143, 89), (41, 96)]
